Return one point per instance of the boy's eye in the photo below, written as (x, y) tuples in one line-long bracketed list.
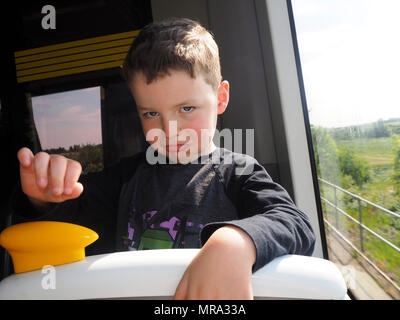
[(150, 114), (187, 109)]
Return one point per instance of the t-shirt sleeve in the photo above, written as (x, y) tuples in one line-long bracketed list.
[(266, 213), (96, 208)]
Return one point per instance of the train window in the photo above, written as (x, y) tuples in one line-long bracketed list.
[(350, 66), (69, 123)]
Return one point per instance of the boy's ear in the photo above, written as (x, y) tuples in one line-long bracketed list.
[(223, 96)]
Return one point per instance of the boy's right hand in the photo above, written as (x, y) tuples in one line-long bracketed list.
[(49, 178)]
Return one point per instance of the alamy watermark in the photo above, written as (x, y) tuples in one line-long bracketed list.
[(187, 146), (349, 276), (49, 20), (49, 279)]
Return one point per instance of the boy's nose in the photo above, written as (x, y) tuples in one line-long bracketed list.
[(170, 128)]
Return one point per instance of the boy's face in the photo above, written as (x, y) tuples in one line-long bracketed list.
[(184, 109)]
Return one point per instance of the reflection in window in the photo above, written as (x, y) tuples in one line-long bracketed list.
[(350, 68), (69, 123)]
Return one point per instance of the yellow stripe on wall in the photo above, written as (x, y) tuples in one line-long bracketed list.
[(59, 73), (129, 34), (67, 65), (73, 57)]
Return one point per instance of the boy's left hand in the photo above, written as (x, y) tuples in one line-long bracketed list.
[(222, 269)]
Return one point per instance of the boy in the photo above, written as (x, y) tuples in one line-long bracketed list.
[(240, 219)]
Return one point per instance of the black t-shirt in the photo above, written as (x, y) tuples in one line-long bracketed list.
[(135, 205)]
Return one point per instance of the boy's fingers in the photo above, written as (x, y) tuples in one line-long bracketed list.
[(41, 164), (56, 198), (25, 157), (72, 174), (58, 166), (75, 193), (76, 190), (45, 177)]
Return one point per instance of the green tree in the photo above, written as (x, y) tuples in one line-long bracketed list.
[(350, 165), (381, 130), (396, 164), (325, 152), (91, 158)]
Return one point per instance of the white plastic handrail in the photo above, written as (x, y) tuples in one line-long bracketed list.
[(156, 273)]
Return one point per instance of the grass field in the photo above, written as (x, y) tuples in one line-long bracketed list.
[(378, 152)]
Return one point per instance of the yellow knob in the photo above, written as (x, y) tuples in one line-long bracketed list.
[(33, 245)]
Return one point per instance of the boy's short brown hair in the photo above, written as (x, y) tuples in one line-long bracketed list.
[(174, 44)]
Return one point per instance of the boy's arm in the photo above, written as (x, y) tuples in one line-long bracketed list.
[(95, 208), (269, 226), (222, 269), (266, 214)]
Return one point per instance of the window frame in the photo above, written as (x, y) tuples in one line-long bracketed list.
[(289, 111)]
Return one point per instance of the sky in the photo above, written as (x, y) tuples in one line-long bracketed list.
[(350, 57), (68, 118)]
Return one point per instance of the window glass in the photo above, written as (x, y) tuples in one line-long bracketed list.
[(69, 123), (349, 53)]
